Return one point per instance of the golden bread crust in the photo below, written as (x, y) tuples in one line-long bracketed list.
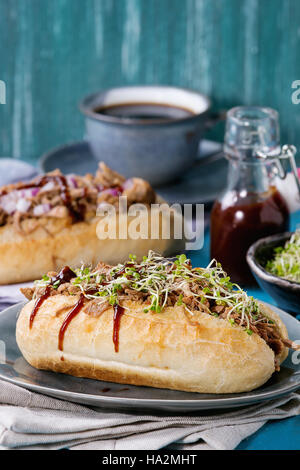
[(57, 242), (164, 350)]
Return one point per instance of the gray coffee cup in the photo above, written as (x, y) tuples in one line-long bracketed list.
[(157, 149)]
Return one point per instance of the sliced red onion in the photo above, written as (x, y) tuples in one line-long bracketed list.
[(17, 200), (41, 209), (112, 191), (28, 193), (128, 184), (8, 202), (100, 187), (72, 181), (23, 205), (35, 191), (48, 186)]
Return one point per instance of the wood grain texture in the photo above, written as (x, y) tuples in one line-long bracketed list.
[(53, 52)]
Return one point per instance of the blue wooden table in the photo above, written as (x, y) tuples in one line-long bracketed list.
[(278, 435)]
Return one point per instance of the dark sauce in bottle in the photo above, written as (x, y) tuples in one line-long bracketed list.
[(238, 222)]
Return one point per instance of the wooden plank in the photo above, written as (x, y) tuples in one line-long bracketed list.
[(53, 52)]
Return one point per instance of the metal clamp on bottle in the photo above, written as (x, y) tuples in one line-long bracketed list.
[(288, 152)]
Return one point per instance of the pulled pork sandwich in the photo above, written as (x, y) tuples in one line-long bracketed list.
[(56, 196), (51, 221), (159, 322)]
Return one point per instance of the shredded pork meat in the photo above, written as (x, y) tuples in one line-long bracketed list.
[(183, 295), (57, 196)]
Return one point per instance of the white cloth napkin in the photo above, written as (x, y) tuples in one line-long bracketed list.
[(32, 421), (13, 170), (11, 294)]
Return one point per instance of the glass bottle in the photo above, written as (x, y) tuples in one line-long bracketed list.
[(251, 206)]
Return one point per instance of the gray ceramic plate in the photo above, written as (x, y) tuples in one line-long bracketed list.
[(16, 370), (202, 184)]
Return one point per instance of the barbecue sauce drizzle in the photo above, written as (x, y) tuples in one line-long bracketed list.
[(118, 312), (65, 275), (37, 305), (65, 194), (75, 310)]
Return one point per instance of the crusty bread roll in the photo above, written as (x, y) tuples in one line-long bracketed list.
[(57, 242), (165, 350), (53, 220)]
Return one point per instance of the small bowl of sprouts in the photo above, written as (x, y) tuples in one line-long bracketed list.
[(275, 264)]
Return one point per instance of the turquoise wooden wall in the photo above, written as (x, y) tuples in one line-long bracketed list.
[(53, 52)]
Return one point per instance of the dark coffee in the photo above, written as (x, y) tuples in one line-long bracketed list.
[(145, 111)]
